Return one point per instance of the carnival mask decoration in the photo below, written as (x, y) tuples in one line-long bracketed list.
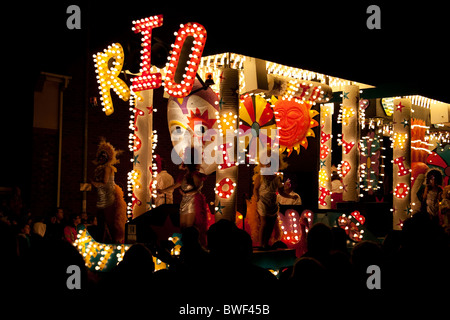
[(192, 123)]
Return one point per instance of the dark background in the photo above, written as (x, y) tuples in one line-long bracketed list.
[(330, 38)]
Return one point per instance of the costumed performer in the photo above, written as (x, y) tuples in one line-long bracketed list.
[(265, 189), (111, 206), (163, 180), (444, 208), (193, 207), (431, 194), (290, 191)]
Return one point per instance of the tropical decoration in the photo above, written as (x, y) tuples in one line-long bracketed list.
[(225, 188), (104, 257), (192, 119), (257, 124), (290, 227), (388, 106), (420, 151), (402, 170), (419, 145), (295, 122), (344, 168), (401, 190), (370, 162), (323, 194), (294, 228), (352, 225), (440, 159), (401, 152), (418, 174), (326, 123), (324, 152), (98, 256), (349, 116)]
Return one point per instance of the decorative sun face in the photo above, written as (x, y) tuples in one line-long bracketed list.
[(295, 122)]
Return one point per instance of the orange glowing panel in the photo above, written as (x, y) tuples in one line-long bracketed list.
[(295, 120)]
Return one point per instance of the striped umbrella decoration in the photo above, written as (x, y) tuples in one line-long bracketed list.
[(257, 125)]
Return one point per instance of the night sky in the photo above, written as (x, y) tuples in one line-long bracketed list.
[(331, 38)]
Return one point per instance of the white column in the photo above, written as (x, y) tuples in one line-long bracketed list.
[(143, 153), (326, 124), (227, 172), (401, 175), (350, 141)]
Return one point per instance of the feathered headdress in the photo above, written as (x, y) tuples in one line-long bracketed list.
[(108, 148)]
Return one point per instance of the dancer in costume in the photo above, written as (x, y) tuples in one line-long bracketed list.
[(163, 180), (290, 191), (431, 193), (265, 189), (111, 206), (444, 208), (193, 207)]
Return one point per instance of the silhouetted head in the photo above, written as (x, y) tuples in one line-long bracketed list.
[(366, 253), (138, 257), (339, 239), (190, 236), (434, 178), (319, 239), (220, 236), (242, 242), (309, 274)]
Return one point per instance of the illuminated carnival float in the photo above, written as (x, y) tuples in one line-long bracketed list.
[(238, 110)]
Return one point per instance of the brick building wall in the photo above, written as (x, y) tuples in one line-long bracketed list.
[(44, 171), (113, 128)]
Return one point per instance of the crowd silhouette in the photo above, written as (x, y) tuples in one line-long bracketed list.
[(414, 262)]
